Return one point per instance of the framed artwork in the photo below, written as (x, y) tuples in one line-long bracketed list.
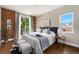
[(8, 23)]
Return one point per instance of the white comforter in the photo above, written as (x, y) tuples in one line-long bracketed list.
[(49, 36), (35, 42)]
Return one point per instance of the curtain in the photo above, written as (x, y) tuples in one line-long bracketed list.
[(16, 34), (17, 26)]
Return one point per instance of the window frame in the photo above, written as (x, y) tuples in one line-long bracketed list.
[(72, 26), (30, 24)]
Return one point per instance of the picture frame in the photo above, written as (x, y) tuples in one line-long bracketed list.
[(8, 23)]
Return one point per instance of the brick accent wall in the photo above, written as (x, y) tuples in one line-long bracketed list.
[(33, 23), (7, 14)]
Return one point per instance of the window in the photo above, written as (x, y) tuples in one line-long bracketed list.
[(25, 24), (66, 22)]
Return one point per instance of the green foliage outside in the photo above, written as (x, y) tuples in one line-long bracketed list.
[(24, 25)]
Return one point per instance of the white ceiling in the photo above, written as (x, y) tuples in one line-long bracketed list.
[(33, 10)]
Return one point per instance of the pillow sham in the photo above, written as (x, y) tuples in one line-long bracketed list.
[(52, 33), (45, 31)]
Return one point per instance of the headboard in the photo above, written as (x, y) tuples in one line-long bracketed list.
[(54, 29)]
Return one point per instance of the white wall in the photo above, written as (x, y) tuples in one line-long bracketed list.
[(73, 37)]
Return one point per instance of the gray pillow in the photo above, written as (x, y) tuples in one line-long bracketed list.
[(48, 32)]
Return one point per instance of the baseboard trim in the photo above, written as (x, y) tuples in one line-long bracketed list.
[(70, 43), (7, 40)]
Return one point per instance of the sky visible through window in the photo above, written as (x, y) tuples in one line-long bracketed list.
[(66, 19)]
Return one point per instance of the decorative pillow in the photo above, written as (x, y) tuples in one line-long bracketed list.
[(52, 33), (48, 32), (45, 31)]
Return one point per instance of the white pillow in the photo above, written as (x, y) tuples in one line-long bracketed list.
[(52, 33), (45, 31)]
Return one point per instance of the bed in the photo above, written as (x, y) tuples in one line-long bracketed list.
[(41, 41)]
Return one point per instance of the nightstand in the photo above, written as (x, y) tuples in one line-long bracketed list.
[(60, 37)]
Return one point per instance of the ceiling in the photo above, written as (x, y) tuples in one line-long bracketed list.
[(33, 10)]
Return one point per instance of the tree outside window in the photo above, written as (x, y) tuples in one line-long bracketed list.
[(24, 25)]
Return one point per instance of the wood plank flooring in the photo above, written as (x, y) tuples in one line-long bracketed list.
[(5, 48), (56, 48)]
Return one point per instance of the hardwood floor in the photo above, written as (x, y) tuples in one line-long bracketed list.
[(58, 48), (5, 48)]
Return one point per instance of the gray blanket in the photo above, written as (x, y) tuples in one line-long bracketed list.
[(44, 42)]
